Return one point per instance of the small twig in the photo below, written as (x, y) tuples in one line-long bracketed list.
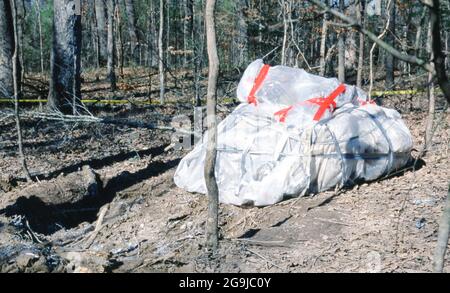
[(7, 116), (264, 258), (345, 25), (98, 226), (332, 222), (271, 51), (32, 233), (280, 243), (321, 254), (184, 238), (55, 116), (237, 223)]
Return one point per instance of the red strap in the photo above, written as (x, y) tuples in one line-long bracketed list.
[(283, 113), (329, 101), (319, 101), (363, 103), (324, 103), (258, 82)]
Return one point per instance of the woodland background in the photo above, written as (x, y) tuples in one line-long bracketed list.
[(87, 155)]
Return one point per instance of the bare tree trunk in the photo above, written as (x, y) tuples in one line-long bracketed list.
[(198, 44), (443, 235), (151, 36), (168, 58), (41, 39), (323, 44), (438, 56), (161, 52), (378, 7), (407, 22), (41, 45), (328, 57), (240, 41), (446, 50), (361, 20), (285, 33), (212, 222), (92, 56), (417, 44), (431, 99), (65, 81), (102, 35), (150, 46), (341, 48), (134, 40), (120, 47), (96, 44), (389, 62), (110, 46), (16, 81), (188, 26), (21, 14), (6, 50), (294, 38)]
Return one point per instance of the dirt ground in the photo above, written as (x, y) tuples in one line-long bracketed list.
[(149, 225)]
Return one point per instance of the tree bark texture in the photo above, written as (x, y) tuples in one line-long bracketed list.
[(65, 81), (100, 16), (6, 50), (211, 153)]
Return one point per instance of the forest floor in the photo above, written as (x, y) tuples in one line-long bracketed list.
[(147, 224)]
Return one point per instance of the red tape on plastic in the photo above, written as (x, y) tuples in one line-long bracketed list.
[(329, 101), (363, 103), (283, 113), (258, 82), (324, 103)]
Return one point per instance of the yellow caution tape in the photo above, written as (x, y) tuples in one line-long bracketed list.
[(400, 92), (22, 101), (226, 100)]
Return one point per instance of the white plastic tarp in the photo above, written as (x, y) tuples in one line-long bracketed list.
[(296, 133)]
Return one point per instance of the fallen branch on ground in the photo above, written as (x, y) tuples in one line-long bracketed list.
[(55, 116)]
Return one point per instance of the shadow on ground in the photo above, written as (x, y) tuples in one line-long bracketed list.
[(47, 219)]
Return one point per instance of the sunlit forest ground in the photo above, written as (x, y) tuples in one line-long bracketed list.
[(149, 225)]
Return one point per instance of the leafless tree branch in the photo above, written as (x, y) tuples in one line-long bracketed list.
[(438, 65)]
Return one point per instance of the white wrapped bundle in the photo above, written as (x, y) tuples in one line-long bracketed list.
[(276, 88), (277, 148), (252, 165)]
